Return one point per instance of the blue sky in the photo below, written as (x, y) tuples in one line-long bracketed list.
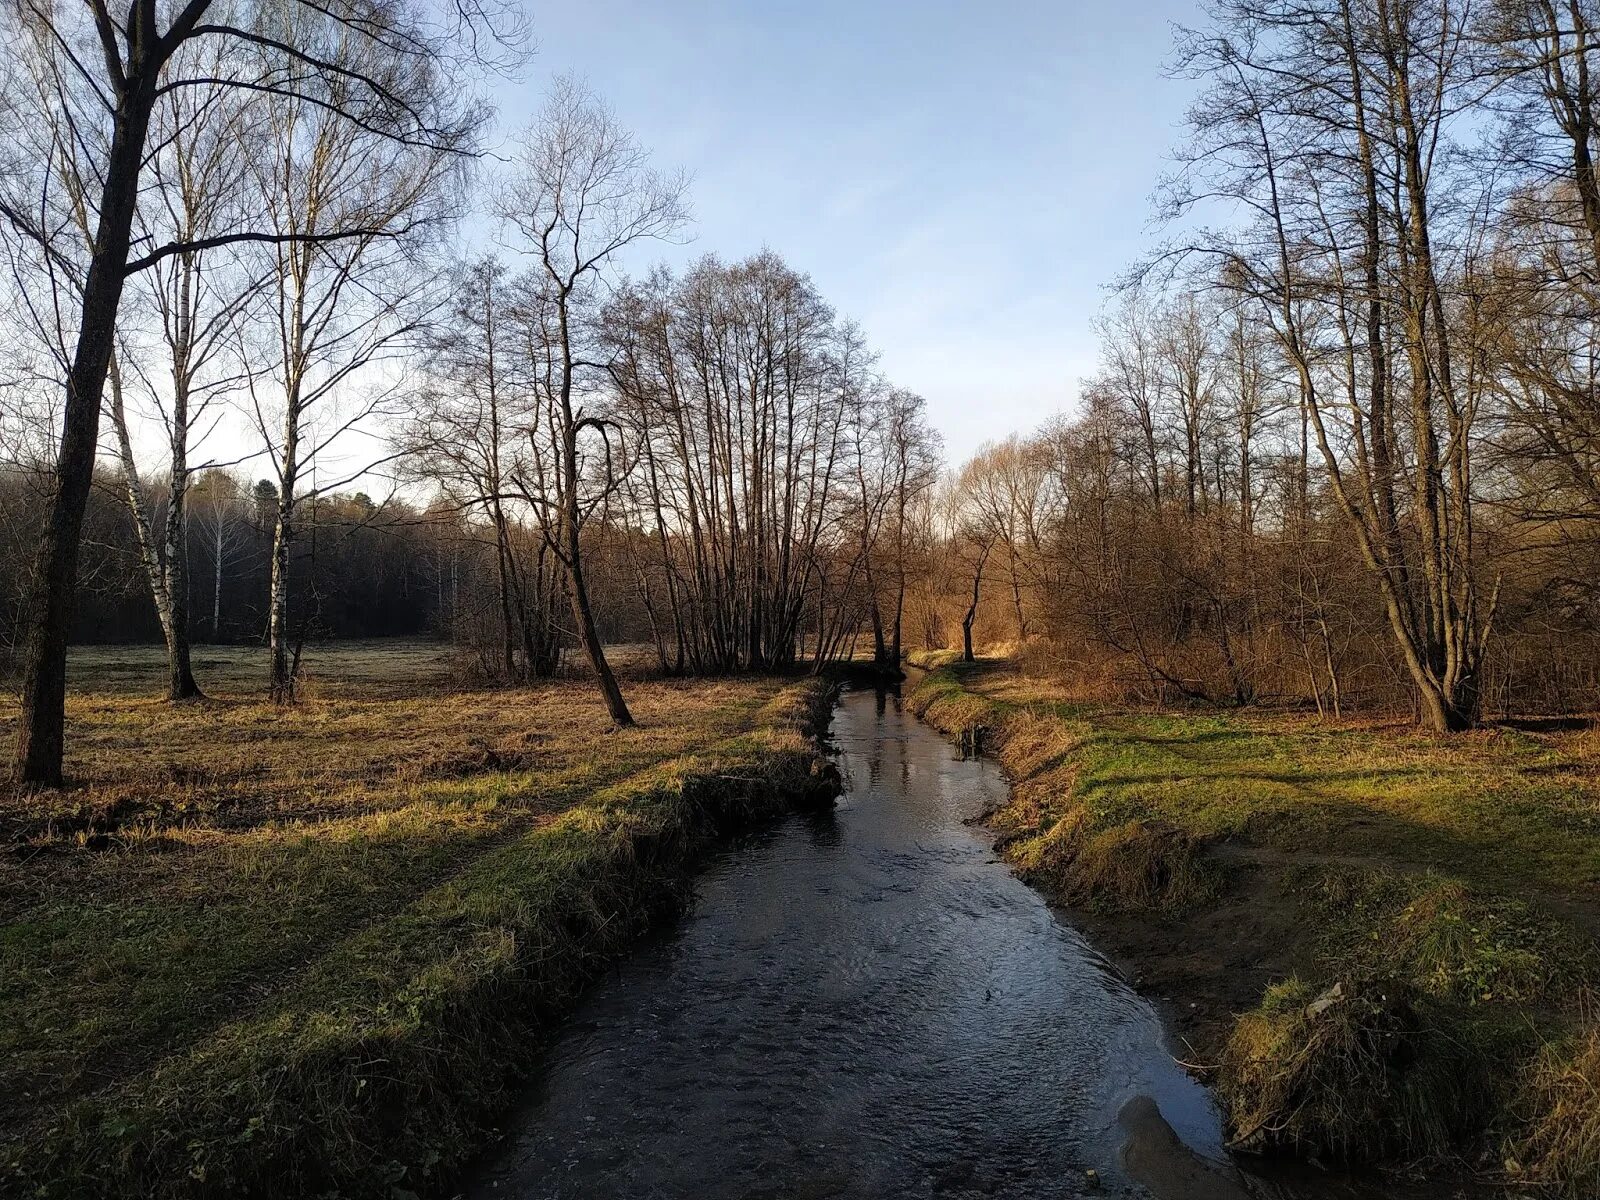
[(961, 177)]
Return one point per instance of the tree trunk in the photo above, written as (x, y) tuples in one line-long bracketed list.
[(181, 683), (896, 646), (972, 608), (41, 732), (572, 550), (508, 615), (281, 685), (216, 587), (880, 644), (589, 635), (163, 565)]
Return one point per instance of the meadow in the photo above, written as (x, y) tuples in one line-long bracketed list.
[(261, 949)]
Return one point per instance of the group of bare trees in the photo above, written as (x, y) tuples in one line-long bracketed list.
[(721, 443), (1345, 446), (225, 226), (189, 190), (1344, 443), (774, 468)]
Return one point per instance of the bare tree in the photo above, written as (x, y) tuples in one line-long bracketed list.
[(187, 367), (582, 192), (766, 447), (465, 437), (92, 82), (1326, 119), (216, 500), (348, 294), (913, 456)]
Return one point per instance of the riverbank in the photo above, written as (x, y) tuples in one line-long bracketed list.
[(1380, 946), (258, 952), (863, 1004)]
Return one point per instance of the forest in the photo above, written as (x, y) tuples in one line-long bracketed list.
[(1339, 454)]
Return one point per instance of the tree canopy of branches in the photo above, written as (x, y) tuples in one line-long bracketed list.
[(773, 467), (82, 88)]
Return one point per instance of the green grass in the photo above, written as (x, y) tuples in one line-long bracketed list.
[(1450, 886), (260, 952)]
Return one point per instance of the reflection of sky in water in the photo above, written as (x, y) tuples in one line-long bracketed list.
[(862, 1004)]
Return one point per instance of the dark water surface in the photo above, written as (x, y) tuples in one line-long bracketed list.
[(861, 1004)]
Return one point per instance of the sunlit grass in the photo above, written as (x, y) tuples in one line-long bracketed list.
[(1449, 885), (244, 927)]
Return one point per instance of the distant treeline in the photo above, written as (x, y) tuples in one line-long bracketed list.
[(364, 570)]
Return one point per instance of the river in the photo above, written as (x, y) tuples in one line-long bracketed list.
[(864, 1003)]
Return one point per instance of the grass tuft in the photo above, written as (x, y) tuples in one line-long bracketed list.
[(1449, 939), (1561, 1140), (1366, 1071), (1138, 865)]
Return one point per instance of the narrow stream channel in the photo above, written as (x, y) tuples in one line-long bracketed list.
[(861, 1004)]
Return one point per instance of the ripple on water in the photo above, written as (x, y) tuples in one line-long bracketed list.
[(862, 1004)]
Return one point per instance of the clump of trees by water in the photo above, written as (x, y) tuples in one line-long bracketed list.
[(1342, 446)]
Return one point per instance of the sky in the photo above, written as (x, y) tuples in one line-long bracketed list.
[(962, 178)]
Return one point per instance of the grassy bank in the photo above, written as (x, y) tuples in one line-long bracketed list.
[(308, 952), (1380, 945)]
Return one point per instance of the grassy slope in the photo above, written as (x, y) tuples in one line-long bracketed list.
[(1246, 863), (271, 952)]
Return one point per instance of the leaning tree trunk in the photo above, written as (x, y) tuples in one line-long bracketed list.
[(897, 638), (41, 727), (571, 547), (163, 565), (880, 643), (589, 635)]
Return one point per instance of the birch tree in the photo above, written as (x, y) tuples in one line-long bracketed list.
[(187, 366), (82, 86), (347, 295)]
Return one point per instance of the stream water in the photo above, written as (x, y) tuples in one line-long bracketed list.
[(864, 1003)]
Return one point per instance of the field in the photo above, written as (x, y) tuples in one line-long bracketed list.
[(1379, 944), (253, 949)]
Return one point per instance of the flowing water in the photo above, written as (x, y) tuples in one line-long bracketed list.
[(864, 1003)]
